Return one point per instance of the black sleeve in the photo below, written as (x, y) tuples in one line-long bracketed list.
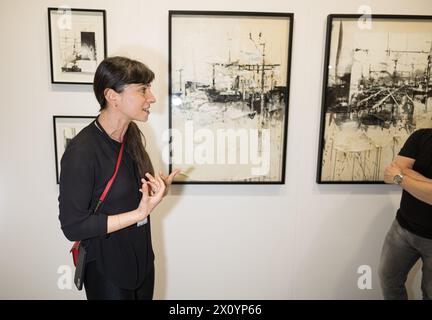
[(412, 146), (75, 198)]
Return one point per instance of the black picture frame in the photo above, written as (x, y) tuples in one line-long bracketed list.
[(251, 39), (77, 44), (371, 94), (74, 124)]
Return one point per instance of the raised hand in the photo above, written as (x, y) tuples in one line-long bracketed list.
[(167, 180), (152, 193)]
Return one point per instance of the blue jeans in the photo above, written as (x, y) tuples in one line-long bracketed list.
[(400, 252)]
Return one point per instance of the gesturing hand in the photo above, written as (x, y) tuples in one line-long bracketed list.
[(167, 180), (150, 199)]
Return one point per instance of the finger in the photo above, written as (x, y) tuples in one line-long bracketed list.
[(162, 185), (170, 178), (149, 182), (158, 183), (147, 188), (144, 191), (165, 178), (150, 177), (160, 180), (154, 183), (174, 173), (153, 186), (153, 180)]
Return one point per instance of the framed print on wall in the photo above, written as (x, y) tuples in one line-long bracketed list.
[(229, 88), (65, 129), (377, 90), (77, 39)]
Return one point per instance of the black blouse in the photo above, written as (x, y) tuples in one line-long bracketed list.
[(125, 256)]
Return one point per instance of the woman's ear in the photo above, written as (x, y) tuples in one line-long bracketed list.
[(111, 96)]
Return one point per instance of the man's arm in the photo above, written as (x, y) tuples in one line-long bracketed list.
[(415, 175), (422, 190), (405, 165), (413, 182)]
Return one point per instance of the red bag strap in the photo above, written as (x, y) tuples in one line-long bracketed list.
[(111, 181), (76, 245)]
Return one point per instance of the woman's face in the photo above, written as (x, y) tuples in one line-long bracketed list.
[(135, 100)]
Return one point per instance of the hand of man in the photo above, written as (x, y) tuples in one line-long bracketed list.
[(390, 172)]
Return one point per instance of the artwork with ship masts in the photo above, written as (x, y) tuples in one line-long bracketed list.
[(69, 54), (77, 44), (229, 74), (377, 91)]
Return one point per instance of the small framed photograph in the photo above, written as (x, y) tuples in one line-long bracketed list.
[(65, 129), (229, 78), (77, 39), (377, 90)]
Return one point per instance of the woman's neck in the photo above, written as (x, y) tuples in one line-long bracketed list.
[(114, 125)]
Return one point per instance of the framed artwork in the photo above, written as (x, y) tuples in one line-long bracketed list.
[(229, 88), (377, 90), (77, 39), (65, 129)]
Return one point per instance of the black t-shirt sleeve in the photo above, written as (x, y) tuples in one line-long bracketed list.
[(411, 147), (75, 197)]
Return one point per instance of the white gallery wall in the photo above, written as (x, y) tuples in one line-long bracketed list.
[(294, 241)]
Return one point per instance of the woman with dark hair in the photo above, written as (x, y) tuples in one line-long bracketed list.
[(117, 238)]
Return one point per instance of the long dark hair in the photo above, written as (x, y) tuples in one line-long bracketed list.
[(115, 73)]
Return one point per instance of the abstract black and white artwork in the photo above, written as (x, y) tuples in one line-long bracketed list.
[(229, 87), (377, 91), (77, 44), (65, 129)]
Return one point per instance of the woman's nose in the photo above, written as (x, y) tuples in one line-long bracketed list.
[(151, 98)]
